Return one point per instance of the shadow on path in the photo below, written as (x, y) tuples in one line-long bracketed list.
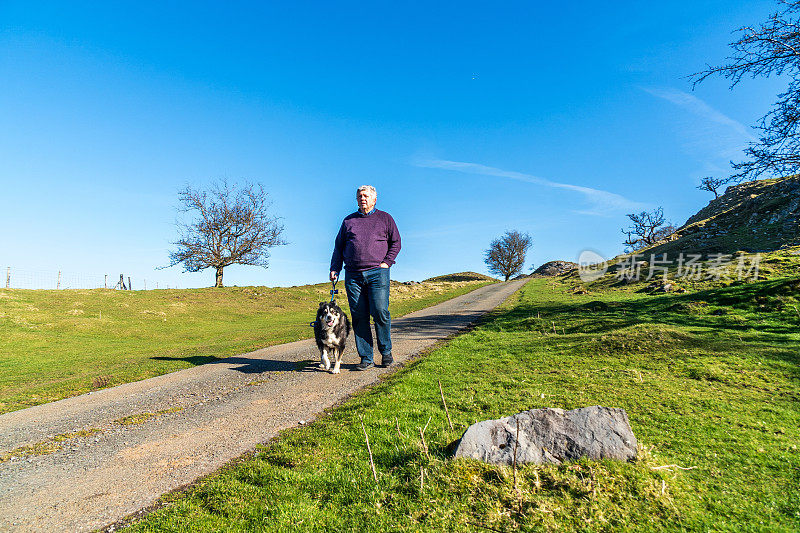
[(425, 326), (248, 365), (410, 328)]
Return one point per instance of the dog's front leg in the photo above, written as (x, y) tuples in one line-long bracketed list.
[(325, 362), (338, 355)]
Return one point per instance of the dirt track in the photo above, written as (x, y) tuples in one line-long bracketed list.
[(204, 417)]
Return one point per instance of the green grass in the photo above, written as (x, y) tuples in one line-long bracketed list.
[(55, 344), (719, 394)]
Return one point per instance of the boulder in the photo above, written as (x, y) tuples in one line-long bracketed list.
[(551, 436), (667, 287), (661, 286)]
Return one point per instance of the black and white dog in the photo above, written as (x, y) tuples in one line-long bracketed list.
[(330, 331)]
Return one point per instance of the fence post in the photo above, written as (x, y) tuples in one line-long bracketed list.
[(58, 283), (105, 282), (8, 277), (121, 282), (145, 284), (130, 287)]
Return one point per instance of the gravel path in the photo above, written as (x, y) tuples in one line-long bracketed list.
[(199, 419)]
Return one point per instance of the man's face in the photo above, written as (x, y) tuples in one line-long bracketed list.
[(366, 201)]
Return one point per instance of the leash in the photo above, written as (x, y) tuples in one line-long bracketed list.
[(334, 292)]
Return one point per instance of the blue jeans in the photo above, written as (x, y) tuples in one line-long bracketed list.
[(368, 295)]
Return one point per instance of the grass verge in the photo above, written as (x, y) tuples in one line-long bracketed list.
[(45, 447), (53, 444), (55, 344), (717, 394)]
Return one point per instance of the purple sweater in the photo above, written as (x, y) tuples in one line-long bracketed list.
[(366, 241)]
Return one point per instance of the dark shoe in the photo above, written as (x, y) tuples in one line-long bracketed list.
[(363, 365), (387, 360)]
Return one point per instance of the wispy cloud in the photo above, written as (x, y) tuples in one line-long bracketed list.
[(710, 135), (698, 107), (601, 202)]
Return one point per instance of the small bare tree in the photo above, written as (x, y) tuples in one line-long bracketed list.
[(711, 184), (772, 48), (231, 225), (506, 255), (647, 228)]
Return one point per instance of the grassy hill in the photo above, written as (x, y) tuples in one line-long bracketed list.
[(461, 276), (55, 344), (709, 379), (755, 216), (708, 273)]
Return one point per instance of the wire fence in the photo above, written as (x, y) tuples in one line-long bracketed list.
[(16, 278)]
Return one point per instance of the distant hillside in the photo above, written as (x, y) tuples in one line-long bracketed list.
[(462, 276), (757, 216)]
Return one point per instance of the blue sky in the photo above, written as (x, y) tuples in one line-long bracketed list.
[(470, 118)]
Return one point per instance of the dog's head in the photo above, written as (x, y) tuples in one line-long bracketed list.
[(329, 314)]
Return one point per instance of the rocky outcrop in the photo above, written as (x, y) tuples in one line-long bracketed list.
[(756, 216), (555, 268), (551, 436)]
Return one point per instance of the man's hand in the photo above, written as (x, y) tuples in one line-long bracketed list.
[(384, 265), (334, 275)]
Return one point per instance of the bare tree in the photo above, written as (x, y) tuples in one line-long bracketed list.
[(506, 255), (771, 48), (664, 231), (711, 184), (647, 228), (231, 225)]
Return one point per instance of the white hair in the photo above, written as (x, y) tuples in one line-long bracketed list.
[(369, 188)]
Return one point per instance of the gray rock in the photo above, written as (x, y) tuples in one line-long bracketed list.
[(551, 436), (661, 286), (555, 268)]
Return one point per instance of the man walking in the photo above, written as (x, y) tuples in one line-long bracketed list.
[(368, 243)]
